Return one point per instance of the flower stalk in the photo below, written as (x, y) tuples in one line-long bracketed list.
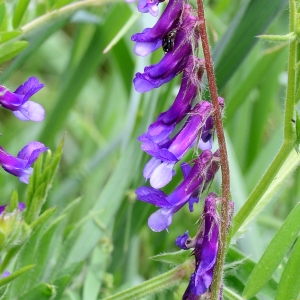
[(225, 208), (154, 285)]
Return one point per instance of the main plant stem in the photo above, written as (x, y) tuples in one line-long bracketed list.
[(218, 271)]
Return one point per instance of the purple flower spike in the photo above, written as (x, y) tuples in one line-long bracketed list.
[(203, 171), (19, 103), (174, 61), (166, 121), (206, 250), (151, 38), (171, 152), (20, 166)]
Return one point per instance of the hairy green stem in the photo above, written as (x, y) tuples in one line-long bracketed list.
[(156, 284), (289, 134), (218, 270)]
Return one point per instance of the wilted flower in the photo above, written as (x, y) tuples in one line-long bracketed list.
[(20, 166), (18, 101), (203, 171)]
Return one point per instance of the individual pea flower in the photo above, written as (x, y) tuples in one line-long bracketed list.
[(190, 85), (164, 157), (151, 38), (202, 172), (173, 61), (148, 6), (20, 166), (18, 101), (205, 246)]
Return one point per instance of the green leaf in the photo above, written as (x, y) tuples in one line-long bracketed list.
[(2, 11), (8, 35), (289, 284), (35, 41), (11, 49), (64, 278), (42, 219), (40, 183), (274, 253), (250, 209), (42, 291), (239, 39), (19, 12), (175, 258), (15, 275), (73, 82), (14, 199), (44, 251)]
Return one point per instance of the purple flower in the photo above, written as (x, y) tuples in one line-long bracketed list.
[(18, 101), (206, 250), (20, 166), (21, 206), (190, 85), (181, 240), (160, 168), (151, 38), (5, 274), (173, 61), (203, 171), (145, 6)]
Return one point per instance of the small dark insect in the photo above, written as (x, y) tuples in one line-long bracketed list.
[(168, 41)]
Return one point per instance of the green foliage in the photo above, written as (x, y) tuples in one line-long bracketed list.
[(274, 254)]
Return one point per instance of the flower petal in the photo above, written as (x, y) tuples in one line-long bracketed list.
[(160, 220)]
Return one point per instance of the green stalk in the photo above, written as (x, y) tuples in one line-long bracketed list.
[(157, 284), (289, 134)]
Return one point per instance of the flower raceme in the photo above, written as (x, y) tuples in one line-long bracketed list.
[(151, 38), (20, 166), (165, 154), (190, 86), (160, 169), (205, 246), (18, 101), (173, 61), (195, 182)]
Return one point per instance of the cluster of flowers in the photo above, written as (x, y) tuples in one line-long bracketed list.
[(24, 109), (177, 33)]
